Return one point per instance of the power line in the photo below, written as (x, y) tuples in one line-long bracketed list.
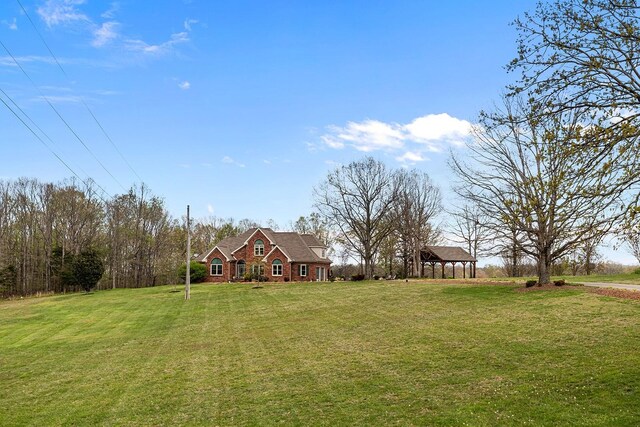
[(62, 118), (38, 127), (81, 98), (44, 143)]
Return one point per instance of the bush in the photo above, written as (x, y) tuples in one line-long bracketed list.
[(559, 282), (286, 279), (8, 278), (357, 277), (636, 271), (531, 283), (197, 272), (88, 269), (376, 277)]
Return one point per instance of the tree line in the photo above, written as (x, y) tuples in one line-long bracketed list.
[(64, 237), (47, 230)]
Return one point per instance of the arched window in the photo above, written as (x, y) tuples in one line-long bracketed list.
[(276, 268), (258, 247), (216, 267)]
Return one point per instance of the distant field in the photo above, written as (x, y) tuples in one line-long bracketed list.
[(632, 279), (367, 353)]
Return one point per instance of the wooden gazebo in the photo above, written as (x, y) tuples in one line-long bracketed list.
[(447, 254)]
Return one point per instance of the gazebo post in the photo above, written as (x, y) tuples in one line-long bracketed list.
[(433, 270), (464, 270), (453, 268), (442, 263)]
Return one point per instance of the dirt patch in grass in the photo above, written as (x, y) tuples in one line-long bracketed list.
[(460, 281), (547, 287), (609, 292), (618, 293)]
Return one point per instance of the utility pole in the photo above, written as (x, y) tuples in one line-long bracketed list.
[(187, 279)]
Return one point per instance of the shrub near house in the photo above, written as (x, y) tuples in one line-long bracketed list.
[(278, 256)]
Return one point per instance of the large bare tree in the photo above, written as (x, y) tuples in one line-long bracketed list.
[(357, 199), (583, 56), (526, 176), (418, 201)]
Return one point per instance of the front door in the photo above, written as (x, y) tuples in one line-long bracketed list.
[(240, 269), (320, 274)]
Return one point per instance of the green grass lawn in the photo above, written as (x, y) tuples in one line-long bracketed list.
[(368, 353)]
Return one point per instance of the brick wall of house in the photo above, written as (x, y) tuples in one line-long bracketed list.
[(246, 253), (225, 267), (286, 266), (311, 272)]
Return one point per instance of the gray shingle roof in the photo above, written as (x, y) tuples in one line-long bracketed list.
[(447, 253), (311, 240), (295, 246)]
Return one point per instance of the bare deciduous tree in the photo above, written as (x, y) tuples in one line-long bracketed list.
[(527, 176), (357, 200), (315, 225), (582, 56), (468, 226), (418, 201)]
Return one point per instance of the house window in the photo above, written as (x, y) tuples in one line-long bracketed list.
[(216, 267), (257, 270), (303, 270), (258, 247), (276, 268)]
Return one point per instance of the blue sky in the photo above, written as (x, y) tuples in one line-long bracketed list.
[(239, 108)]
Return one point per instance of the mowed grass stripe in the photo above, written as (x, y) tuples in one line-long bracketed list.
[(322, 354)]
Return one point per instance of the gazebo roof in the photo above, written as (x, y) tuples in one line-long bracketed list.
[(446, 254)]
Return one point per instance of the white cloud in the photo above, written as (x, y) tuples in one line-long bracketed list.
[(228, 160), (111, 12), (429, 133), (370, 135), (8, 61), (188, 23), (106, 33), (210, 209), (57, 12), (12, 25), (411, 157), (106, 92), (62, 99), (331, 141), (157, 49), (184, 85), (438, 127)]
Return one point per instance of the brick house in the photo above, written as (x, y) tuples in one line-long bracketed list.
[(280, 256)]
